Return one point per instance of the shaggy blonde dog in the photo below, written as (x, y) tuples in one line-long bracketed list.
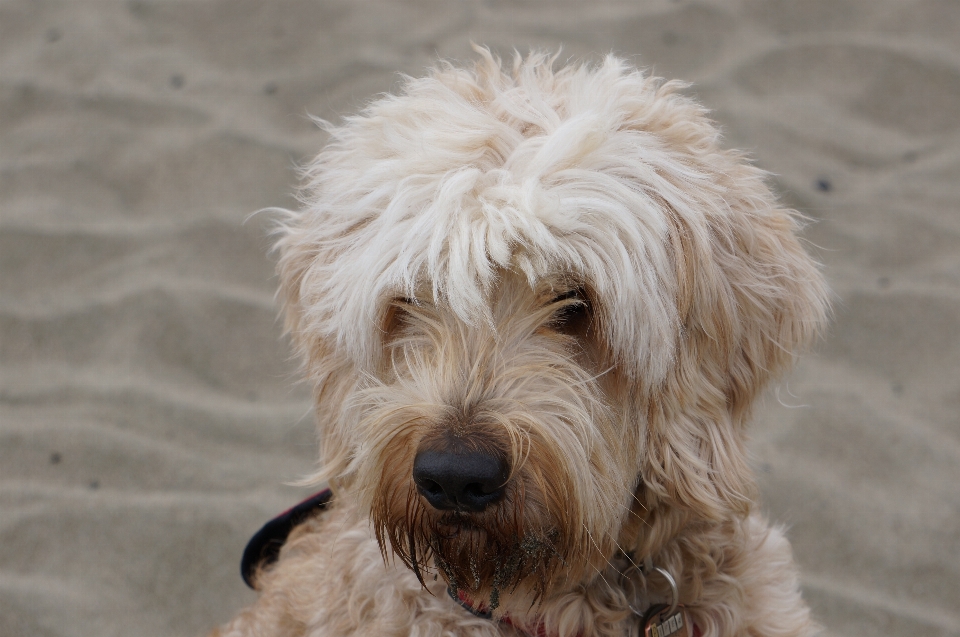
[(536, 307)]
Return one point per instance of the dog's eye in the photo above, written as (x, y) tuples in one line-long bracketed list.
[(573, 313)]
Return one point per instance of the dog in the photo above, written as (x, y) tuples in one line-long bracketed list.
[(536, 306)]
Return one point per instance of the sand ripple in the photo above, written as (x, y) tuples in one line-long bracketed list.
[(148, 415)]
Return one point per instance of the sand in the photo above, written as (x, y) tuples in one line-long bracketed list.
[(149, 415)]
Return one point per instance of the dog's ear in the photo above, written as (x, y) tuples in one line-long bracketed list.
[(296, 254), (749, 299), (329, 372)]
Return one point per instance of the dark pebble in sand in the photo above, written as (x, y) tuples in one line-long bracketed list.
[(55, 457), (176, 81), (824, 185), (94, 484)]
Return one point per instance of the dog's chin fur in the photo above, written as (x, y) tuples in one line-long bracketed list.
[(561, 269)]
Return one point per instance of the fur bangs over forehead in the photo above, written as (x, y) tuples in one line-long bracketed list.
[(599, 177)]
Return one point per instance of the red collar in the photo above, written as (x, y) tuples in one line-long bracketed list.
[(480, 610)]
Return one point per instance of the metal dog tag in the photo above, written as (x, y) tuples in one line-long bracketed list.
[(661, 622)]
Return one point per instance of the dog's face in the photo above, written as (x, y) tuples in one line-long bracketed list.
[(498, 451), (536, 308)]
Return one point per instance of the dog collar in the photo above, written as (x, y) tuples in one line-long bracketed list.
[(480, 610), (263, 549)]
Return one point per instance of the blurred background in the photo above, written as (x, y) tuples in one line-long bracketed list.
[(149, 415)]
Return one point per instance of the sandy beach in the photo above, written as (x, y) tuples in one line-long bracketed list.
[(150, 418)]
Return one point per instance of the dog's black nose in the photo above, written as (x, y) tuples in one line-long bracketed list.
[(467, 481)]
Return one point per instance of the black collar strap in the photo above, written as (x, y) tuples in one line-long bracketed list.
[(263, 549)]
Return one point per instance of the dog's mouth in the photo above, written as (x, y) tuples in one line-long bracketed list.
[(485, 554), (457, 525), (487, 564)]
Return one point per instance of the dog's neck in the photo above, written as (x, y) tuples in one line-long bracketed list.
[(623, 593)]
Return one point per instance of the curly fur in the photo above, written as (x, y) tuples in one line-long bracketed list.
[(563, 267)]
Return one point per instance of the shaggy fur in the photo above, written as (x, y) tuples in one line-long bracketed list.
[(561, 267)]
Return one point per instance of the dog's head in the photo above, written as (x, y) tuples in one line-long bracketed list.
[(536, 307)]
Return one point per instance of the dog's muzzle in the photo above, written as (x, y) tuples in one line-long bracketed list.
[(459, 480)]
